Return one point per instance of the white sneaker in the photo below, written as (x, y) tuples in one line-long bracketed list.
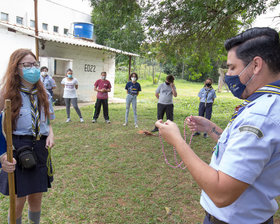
[(82, 120), (68, 120), (108, 122), (136, 125), (125, 124), (93, 121)]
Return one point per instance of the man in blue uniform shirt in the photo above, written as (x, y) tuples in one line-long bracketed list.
[(240, 184)]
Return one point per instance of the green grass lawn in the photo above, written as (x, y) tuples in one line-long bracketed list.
[(112, 174)]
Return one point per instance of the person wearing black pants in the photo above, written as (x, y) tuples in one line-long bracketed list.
[(98, 103), (102, 86), (206, 96), (165, 93), (205, 110), (165, 108)]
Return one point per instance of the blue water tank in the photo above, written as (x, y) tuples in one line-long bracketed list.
[(84, 30)]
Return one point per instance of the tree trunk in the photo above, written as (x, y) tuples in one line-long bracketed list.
[(183, 71)]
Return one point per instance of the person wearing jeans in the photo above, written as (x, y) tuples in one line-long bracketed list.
[(133, 88), (70, 85)]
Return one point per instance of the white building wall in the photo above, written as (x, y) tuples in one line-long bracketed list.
[(51, 12), (9, 42), (81, 56)]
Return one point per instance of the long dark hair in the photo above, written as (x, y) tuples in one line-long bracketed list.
[(11, 86)]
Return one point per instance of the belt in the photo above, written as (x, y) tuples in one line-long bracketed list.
[(28, 137), (214, 220), (132, 94)]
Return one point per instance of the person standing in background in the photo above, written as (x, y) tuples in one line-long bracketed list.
[(206, 96), (133, 88), (70, 86), (102, 87), (164, 94), (47, 80)]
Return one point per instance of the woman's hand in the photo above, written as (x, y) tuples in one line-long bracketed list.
[(7, 166), (50, 139), (170, 132), (198, 123)]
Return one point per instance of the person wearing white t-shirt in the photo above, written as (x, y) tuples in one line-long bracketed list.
[(70, 85)]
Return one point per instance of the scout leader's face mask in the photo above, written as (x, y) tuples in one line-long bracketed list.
[(31, 75), (235, 85)]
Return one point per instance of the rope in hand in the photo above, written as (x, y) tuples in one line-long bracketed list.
[(178, 165), (50, 166)]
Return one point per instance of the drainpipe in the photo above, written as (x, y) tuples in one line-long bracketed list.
[(36, 28)]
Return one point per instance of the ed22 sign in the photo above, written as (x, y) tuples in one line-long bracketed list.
[(89, 68)]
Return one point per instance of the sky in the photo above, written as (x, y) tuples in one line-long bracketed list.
[(269, 19), (80, 5)]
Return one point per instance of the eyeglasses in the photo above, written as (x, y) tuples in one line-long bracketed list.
[(29, 65)]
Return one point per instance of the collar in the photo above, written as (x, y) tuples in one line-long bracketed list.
[(272, 88)]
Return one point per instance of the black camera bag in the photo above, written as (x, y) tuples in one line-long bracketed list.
[(26, 157)]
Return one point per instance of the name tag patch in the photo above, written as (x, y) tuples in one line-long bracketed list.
[(251, 129)]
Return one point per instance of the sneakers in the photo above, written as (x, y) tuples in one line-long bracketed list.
[(68, 120), (82, 120), (196, 134), (136, 125), (125, 124), (93, 121), (107, 121), (205, 135), (155, 129)]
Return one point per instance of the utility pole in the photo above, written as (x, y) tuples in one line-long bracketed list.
[(36, 28)]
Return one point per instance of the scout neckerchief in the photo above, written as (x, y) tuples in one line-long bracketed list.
[(272, 88), (207, 92), (34, 110)]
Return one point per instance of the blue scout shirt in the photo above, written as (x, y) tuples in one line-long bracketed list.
[(248, 150), (133, 88), (48, 82), (209, 92), (24, 123)]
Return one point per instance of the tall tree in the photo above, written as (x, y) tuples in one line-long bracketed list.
[(193, 31), (200, 22), (118, 24)]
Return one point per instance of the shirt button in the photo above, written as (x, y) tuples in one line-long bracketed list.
[(269, 95)]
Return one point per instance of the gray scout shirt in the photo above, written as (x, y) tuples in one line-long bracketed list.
[(165, 94)]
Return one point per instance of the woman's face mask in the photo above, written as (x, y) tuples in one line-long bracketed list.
[(31, 75), (133, 79), (44, 73), (70, 76)]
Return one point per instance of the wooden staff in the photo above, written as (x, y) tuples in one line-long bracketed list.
[(8, 131)]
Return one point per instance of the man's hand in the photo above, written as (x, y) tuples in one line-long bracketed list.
[(170, 132), (198, 123)]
